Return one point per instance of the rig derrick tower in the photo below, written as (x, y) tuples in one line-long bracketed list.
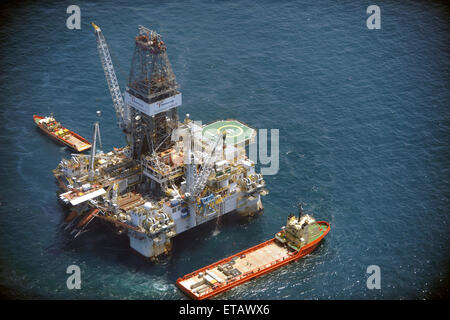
[(171, 176), (152, 96)]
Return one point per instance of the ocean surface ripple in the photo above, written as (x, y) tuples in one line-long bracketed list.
[(364, 141)]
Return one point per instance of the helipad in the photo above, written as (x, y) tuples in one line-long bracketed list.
[(236, 131)]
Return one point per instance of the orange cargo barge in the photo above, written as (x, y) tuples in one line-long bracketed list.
[(59, 133), (251, 263)]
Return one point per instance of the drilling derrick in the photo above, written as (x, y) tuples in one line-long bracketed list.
[(171, 176), (152, 94)]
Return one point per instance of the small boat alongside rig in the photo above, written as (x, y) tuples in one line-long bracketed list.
[(55, 130), (299, 237)]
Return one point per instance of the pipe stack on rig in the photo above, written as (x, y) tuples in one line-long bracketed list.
[(171, 176)]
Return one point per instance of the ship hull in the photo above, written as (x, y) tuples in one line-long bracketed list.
[(269, 266), (85, 145)]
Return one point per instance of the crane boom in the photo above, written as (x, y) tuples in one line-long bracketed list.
[(208, 165), (110, 75)]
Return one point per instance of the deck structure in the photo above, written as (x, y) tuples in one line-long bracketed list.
[(248, 264)]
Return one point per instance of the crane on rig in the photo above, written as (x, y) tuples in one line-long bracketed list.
[(200, 179), (172, 175), (111, 78)]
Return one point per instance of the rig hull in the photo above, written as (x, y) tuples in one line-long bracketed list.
[(177, 216), (172, 175), (254, 262)]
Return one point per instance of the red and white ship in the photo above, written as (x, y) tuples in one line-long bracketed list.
[(55, 130)]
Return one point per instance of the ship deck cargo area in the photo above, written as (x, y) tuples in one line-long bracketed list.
[(237, 267), (248, 264), (79, 144)]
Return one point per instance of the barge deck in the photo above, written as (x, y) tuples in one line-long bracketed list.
[(239, 268)]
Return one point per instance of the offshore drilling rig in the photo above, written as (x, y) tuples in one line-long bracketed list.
[(171, 176)]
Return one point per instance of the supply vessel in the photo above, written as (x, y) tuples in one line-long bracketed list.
[(299, 237), (170, 176), (63, 135)]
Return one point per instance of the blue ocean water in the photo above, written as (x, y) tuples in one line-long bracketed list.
[(364, 141)]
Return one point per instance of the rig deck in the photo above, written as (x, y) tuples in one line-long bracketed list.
[(172, 175)]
